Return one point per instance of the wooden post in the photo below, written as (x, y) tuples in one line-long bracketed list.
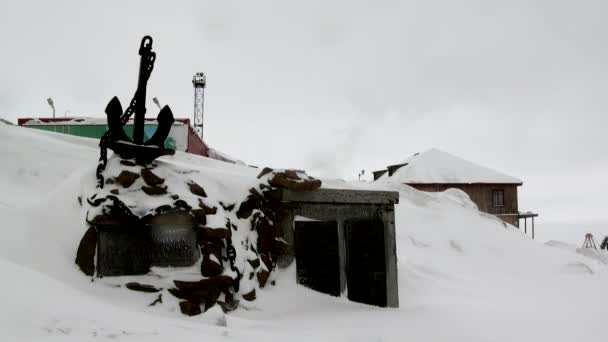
[(525, 225), (532, 227)]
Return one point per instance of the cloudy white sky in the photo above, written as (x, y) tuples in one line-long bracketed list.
[(336, 87)]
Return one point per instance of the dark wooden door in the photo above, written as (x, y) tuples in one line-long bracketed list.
[(365, 261), (317, 257)]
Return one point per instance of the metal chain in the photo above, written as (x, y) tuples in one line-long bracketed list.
[(124, 118), (231, 254)]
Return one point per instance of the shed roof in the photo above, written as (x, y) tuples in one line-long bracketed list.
[(438, 167)]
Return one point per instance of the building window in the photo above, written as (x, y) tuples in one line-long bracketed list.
[(498, 198)]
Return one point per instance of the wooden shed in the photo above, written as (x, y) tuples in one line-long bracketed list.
[(435, 170)]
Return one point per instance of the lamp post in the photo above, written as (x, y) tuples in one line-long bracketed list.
[(50, 101), (155, 100)]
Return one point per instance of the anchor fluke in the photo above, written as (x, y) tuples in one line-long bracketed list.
[(165, 121)]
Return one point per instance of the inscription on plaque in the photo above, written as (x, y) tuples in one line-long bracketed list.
[(132, 251)]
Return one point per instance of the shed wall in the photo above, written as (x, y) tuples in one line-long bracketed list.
[(481, 194)]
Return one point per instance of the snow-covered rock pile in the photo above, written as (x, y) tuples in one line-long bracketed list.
[(235, 234)]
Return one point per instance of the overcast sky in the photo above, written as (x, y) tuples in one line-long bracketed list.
[(336, 87)]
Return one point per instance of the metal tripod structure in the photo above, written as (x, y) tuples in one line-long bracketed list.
[(589, 242)]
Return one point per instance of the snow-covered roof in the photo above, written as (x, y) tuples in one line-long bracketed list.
[(438, 167)]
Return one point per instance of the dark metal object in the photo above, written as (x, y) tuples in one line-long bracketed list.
[(133, 250), (117, 140)]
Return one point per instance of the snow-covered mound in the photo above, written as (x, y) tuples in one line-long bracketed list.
[(463, 276)]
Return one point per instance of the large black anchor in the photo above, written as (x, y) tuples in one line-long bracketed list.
[(117, 140)]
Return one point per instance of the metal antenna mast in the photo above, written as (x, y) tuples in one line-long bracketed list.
[(199, 81)]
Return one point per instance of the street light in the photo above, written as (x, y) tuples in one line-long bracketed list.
[(155, 100), (50, 101)]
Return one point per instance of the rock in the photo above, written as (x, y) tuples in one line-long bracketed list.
[(126, 162), (227, 207), (154, 190), (208, 210), (197, 189), (267, 260), (204, 291), (126, 178), (250, 296), (280, 246), (211, 264), (266, 235), (181, 204), (253, 201), (206, 233), (150, 178), (222, 283), (290, 180), (264, 172), (190, 309), (85, 256), (199, 216), (163, 209), (110, 181), (255, 263), (141, 287), (114, 191), (263, 277)]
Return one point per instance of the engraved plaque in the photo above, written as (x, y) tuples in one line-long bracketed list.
[(132, 251)]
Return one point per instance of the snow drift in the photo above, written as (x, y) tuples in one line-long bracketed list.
[(463, 275)]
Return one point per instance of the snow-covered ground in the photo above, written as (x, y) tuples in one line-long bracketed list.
[(463, 275)]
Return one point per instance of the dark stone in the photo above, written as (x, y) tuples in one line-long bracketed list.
[(199, 216), (264, 172), (150, 178), (181, 204), (266, 235), (154, 190), (249, 205), (255, 263), (209, 267), (163, 209), (290, 180), (222, 283), (114, 191), (267, 260), (227, 207), (203, 291), (208, 210), (141, 287), (249, 296), (85, 256), (126, 178), (280, 247), (127, 162), (110, 181), (206, 233), (190, 309), (263, 277), (197, 189)]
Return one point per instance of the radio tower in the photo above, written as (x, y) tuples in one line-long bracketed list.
[(199, 83)]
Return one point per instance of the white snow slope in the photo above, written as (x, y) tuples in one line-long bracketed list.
[(463, 275)]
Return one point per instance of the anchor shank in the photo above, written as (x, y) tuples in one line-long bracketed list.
[(140, 106), (146, 63)]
